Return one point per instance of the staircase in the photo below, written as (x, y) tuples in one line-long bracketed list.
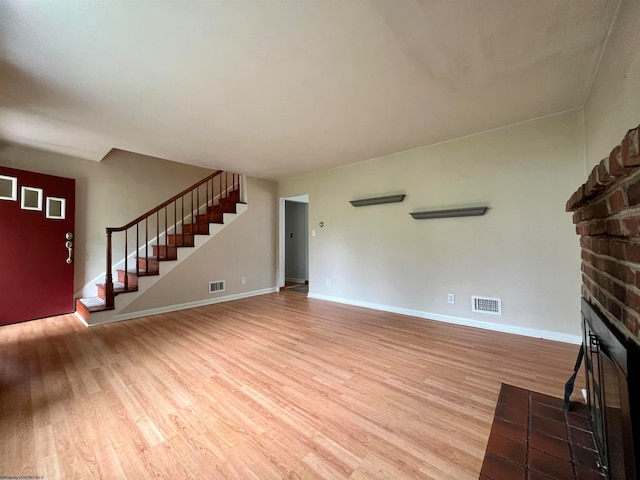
[(160, 236)]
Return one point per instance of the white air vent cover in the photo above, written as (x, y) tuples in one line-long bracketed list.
[(215, 287), (486, 305)]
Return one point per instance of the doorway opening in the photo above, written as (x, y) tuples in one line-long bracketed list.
[(294, 244)]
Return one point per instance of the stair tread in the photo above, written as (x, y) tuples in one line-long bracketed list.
[(170, 252), (118, 287), (141, 272), (158, 259), (93, 304), (196, 225), (150, 273), (219, 221), (92, 301)]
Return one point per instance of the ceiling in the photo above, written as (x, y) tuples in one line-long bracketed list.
[(275, 88)]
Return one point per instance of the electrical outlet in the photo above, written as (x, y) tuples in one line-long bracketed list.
[(244, 280), (328, 282), (451, 298)]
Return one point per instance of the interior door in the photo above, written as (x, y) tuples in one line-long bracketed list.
[(36, 245)]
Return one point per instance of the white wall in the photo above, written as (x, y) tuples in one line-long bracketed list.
[(613, 106), (523, 250), (109, 193), (246, 248)]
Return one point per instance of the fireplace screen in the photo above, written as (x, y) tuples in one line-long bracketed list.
[(612, 389), (613, 418), (594, 388)]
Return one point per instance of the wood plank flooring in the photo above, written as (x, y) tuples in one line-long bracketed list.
[(276, 386)]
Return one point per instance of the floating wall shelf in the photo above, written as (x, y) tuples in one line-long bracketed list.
[(452, 212), (377, 200)]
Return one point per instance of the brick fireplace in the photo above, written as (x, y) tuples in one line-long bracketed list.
[(606, 212), (607, 217)]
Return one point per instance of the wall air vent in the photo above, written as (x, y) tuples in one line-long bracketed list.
[(215, 287), (489, 305)]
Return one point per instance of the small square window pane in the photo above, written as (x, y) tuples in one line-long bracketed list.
[(56, 207), (31, 198), (8, 188)]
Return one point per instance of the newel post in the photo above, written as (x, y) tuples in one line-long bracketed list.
[(108, 281)]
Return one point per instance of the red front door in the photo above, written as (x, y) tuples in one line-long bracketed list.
[(36, 245)]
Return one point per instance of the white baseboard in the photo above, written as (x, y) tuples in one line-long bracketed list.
[(295, 280), (184, 306), (81, 319), (497, 327)]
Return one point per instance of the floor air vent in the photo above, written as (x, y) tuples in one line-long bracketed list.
[(486, 305), (215, 287)]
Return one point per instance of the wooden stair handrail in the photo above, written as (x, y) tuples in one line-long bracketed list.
[(165, 204)]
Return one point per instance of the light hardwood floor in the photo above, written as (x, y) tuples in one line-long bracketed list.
[(276, 386)]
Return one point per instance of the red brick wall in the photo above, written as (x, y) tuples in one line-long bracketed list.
[(607, 218)]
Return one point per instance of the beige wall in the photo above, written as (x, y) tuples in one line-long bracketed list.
[(246, 248), (613, 106), (108, 193), (523, 250)]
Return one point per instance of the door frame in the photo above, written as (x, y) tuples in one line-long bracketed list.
[(302, 198)]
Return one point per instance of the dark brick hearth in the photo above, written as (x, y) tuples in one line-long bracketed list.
[(532, 438)]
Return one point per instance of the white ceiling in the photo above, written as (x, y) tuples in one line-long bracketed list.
[(276, 88)]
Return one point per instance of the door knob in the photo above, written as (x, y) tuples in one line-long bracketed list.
[(69, 246)]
